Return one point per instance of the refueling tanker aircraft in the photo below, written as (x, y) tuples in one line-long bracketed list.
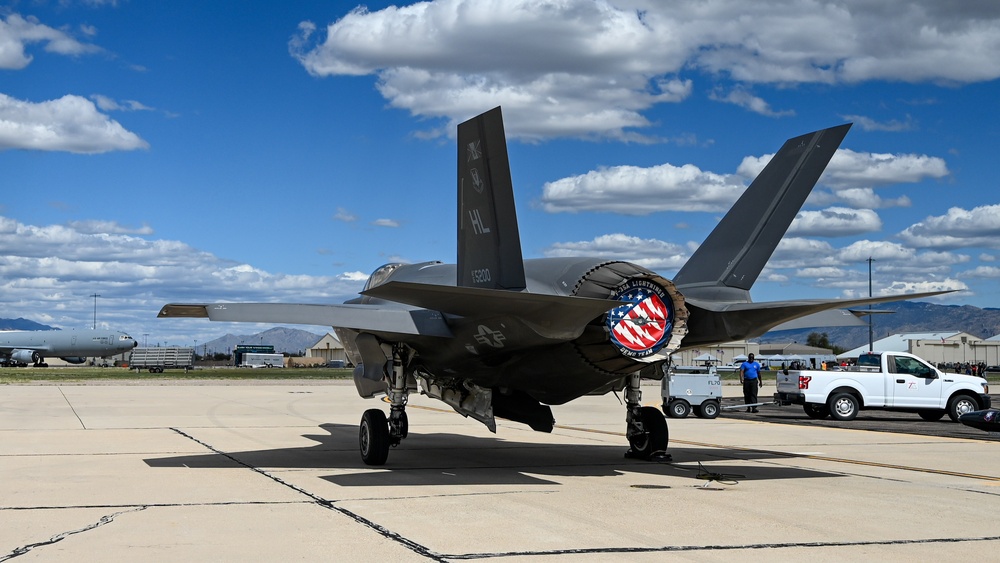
[(497, 335), (21, 347)]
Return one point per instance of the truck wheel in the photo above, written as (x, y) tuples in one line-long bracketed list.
[(709, 409), (961, 404), (931, 416), (813, 410), (844, 406), (678, 408)]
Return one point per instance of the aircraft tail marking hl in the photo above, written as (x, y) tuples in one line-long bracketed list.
[(489, 245)]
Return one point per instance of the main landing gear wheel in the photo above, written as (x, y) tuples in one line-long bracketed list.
[(653, 440), (374, 437)]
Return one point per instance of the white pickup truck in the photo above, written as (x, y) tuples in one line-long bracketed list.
[(883, 380)]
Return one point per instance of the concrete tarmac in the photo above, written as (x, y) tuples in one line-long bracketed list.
[(271, 472)]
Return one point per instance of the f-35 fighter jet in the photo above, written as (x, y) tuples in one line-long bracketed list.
[(496, 335)]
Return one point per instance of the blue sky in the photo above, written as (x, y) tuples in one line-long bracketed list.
[(186, 151)]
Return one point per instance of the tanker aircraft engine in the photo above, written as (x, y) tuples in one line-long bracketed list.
[(497, 335)]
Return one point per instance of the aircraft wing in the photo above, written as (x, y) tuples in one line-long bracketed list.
[(716, 321), (554, 316), (368, 318)]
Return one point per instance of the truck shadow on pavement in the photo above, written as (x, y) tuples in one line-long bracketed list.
[(869, 420), (454, 459)]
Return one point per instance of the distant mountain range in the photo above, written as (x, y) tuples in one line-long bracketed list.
[(290, 340), (23, 324), (907, 316)]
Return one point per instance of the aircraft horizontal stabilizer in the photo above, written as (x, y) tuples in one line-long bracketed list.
[(356, 317), (558, 314), (713, 322), (830, 318)]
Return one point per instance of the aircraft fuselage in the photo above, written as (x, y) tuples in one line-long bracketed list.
[(24, 347), (505, 345)]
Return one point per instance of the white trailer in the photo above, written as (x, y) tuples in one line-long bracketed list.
[(158, 359), (256, 360)]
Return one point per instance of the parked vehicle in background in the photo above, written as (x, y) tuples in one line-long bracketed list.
[(687, 388), (160, 358), (883, 380), (253, 360)]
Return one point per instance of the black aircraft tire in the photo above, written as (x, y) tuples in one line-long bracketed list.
[(818, 412), (931, 416), (373, 437), (709, 409), (961, 404), (678, 408), (844, 406), (656, 436)]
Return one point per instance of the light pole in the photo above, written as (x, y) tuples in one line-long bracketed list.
[(871, 318), (95, 296)]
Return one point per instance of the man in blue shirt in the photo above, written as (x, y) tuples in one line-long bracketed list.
[(751, 380)]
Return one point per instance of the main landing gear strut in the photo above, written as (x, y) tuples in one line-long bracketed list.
[(377, 434), (646, 428)]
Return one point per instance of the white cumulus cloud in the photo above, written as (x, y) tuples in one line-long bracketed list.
[(590, 68), (958, 228), (835, 221), (649, 253), (71, 123), (17, 32)]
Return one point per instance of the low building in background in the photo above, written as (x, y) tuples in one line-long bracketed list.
[(329, 349), (938, 348)]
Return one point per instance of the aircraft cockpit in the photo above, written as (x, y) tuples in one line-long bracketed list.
[(381, 275)]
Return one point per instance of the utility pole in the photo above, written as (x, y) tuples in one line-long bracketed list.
[(95, 296), (871, 318)]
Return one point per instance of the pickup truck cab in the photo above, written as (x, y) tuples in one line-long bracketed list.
[(883, 380)]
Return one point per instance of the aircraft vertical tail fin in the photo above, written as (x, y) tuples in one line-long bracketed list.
[(729, 261), (489, 245)]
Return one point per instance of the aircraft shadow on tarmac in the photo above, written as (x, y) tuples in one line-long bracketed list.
[(455, 459)]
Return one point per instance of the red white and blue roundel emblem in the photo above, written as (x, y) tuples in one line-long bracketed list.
[(641, 326)]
